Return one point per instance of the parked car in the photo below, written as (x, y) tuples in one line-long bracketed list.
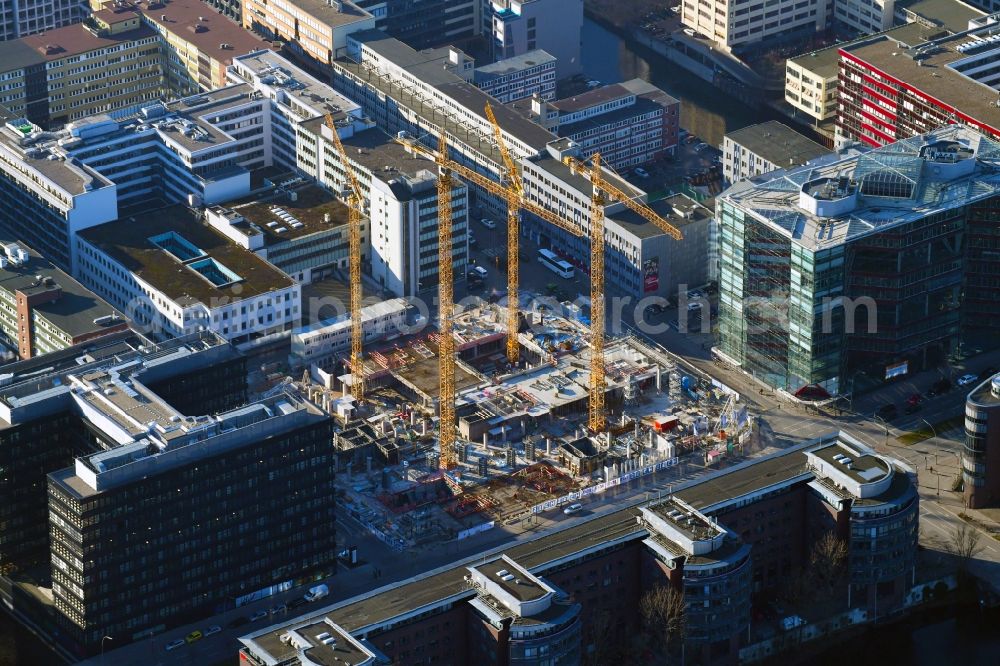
[(887, 412), (239, 621), (655, 309), (173, 645), (694, 306), (211, 631), (642, 173), (259, 615), (488, 223), (965, 380), (193, 637), (280, 608), (913, 408), (316, 593), (915, 399), (472, 241), (593, 83), (939, 387), (573, 508), (987, 372)]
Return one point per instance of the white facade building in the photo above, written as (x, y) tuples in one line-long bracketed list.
[(174, 275), (520, 77), (733, 23), (324, 342)]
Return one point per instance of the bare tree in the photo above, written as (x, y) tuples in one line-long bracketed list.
[(664, 615), (964, 542), (826, 562)]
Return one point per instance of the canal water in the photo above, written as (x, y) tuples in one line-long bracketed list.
[(704, 110)]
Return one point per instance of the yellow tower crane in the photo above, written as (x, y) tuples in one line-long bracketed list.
[(603, 191), (514, 196), (446, 297), (355, 205)]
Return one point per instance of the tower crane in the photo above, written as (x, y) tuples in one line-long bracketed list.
[(446, 283), (515, 194), (355, 203), (602, 193)]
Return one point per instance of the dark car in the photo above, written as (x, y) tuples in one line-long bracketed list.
[(988, 372), (239, 621), (915, 399), (887, 412), (654, 309), (913, 408), (940, 387)]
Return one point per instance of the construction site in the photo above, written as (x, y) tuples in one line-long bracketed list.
[(505, 411), (522, 443)]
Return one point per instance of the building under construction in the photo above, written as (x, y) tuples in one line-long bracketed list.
[(522, 442)]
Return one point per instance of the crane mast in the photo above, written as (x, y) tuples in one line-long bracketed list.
[(355, 203), (446, 346), (596, 417)]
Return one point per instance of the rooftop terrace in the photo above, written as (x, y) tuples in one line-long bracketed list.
[(209, 266)]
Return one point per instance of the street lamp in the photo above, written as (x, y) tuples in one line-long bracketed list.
[(106, 638), (933, 430)]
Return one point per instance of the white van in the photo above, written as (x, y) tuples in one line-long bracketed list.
[(478, 271)]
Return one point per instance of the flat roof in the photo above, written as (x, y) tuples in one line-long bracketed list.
[(516, 63), (826, 62), (427, 66), (276, 71), (951, 15), (331, 14), (932, 76), (522, 588), (591, 98), (343, 651), (75, 39), (678, 209), (76, 311), (197, 23), (410, 596), (312, 205), (778, 143), (374, 149), (864, 468), (774, 199), (983, 394), (127, 240)]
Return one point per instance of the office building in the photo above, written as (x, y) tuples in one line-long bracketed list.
[(315, 30), (892, 89), (401, 190), (428, 23), (873, 265), (41, 434), (174, 275), (199, 149), (519, 26), (300, 229), (981, 454), (811, 79), (630, 123), (325, 343), (520, 77), (198, 44), (20, 18), (708, 540), (740, 23), (50, 86), (131, 554), (44, 310), (952, 15), (761, 148), (231, 9)]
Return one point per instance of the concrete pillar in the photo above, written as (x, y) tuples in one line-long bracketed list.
[(485, 439), (658, 380), (548, 446)]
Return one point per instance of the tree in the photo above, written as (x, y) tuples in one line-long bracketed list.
[(964, 542), (826, 562), (664, 616)]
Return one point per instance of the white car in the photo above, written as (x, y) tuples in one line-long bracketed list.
[(694, 306), (642, 173), (173, 645), (211, 631), (259, 615), (689, 32), (593, 84), (573, 508), (964, 380), (489, 224)]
